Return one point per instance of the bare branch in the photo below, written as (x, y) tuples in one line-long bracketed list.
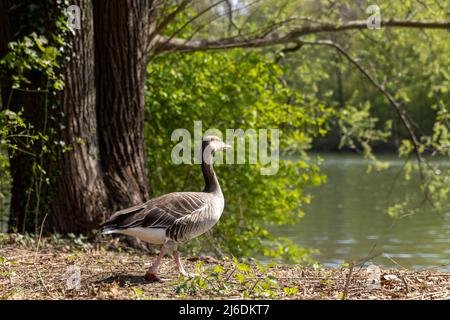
[(165, 40), (171, 16), (196, 17), (291, 36), (230, 16)]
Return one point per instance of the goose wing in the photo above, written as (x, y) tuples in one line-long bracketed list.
[(162, 212)]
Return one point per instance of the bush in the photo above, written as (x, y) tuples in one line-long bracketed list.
[(236, 89)]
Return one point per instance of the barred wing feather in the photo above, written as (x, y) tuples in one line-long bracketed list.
[(161, 212)]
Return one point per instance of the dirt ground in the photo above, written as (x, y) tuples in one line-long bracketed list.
[(76, 269)]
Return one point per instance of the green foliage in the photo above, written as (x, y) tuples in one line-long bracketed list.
[(14, 137), (411, 64), (359, 131), (31, 54), (250, 279), (237, 89), (33, 65), (12, 127)]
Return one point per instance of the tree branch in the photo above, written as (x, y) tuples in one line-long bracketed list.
[(164, 40), (175, 44), (194, 18), (171, 16)]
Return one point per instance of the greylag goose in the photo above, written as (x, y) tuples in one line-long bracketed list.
[(175, 217)]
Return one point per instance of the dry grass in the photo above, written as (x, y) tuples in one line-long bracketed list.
[(111, 273)]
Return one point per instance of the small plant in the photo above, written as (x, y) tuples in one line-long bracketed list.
[(5, 267), (138, 292), (246, 279)]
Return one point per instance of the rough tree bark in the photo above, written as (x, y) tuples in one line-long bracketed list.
[(103, 103), (123, 32), (80, 195)]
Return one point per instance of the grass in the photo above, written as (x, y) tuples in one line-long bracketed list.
[(50, 269)]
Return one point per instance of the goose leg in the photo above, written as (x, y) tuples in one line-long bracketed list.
[(180, 267), (152, 272)]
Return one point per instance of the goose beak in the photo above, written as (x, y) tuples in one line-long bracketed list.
[(227, 146)]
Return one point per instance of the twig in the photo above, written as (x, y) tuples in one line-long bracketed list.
[(40, 237), (398, 264), (231, 273), (171, 16), (43, 284), (190, 21), (405, 283), (36, 255), (344, 297)]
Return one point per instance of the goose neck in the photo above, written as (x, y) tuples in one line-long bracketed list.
[(211, 181)]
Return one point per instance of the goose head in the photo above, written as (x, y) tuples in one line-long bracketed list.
[(212, 144)]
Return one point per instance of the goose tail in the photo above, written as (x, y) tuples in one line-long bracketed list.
[(108, 227), (108, 230)]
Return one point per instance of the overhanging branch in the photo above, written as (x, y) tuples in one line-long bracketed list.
[(176, 44)]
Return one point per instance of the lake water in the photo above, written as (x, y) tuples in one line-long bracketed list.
[(347, 219)]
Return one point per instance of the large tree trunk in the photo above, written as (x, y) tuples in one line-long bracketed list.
[(103, 108), (104, 105), (122, 38), (80, 198)]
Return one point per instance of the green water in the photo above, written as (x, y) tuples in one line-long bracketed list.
[(347, 219)]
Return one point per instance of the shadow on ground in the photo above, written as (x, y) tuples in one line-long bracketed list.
[(123, 280)]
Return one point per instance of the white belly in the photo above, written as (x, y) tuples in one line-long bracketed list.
[(151, 235)]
